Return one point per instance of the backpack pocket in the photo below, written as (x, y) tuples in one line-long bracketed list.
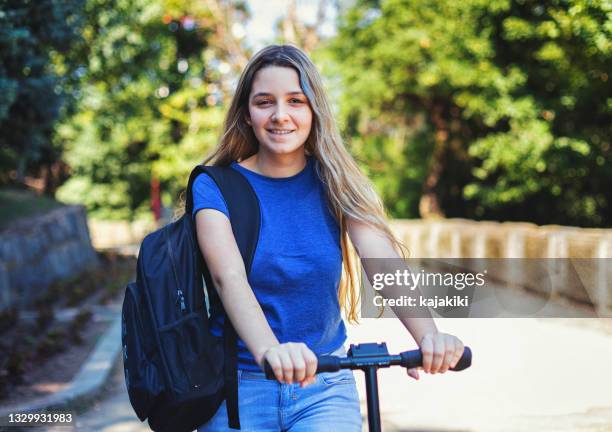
[(193, 355), (143, 378)]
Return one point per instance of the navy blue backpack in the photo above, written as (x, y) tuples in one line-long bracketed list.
[(176, 372)]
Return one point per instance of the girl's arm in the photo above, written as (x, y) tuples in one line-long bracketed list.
[(290, 361), (440, 350)]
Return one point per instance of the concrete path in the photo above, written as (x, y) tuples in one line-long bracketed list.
[(112, 413), (527, 375)]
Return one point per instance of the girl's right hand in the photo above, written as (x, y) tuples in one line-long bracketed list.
[(291, 362)]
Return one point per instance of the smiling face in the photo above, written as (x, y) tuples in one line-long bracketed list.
[(279, 112)]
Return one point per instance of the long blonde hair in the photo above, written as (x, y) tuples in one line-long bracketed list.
[(349, 192)]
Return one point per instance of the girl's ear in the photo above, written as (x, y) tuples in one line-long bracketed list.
[(248, 120)]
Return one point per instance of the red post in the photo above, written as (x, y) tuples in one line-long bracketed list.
[(155, 199)]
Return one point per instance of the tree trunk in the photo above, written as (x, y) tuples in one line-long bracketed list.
[(21, 166), (429, 204)]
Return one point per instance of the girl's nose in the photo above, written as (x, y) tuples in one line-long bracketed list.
[(279, 113)]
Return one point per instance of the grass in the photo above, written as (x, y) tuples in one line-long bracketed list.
[(17, 204)]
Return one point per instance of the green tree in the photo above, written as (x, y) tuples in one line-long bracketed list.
[(32, 90), (482, 109), (150, 105)]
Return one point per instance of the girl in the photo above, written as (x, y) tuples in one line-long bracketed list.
[(280, 134)]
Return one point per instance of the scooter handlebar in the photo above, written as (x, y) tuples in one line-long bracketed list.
[(325, 363), (409, 360), (413, 359), (328, 363)]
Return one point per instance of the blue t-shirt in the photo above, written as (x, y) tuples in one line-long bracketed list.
[(298, 262)]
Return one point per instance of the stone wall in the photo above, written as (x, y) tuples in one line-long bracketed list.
[(461, 238), (590, 251), (447, 238), (37, 251), (117, 234)]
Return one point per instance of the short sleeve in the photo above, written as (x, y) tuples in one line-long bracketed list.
[(206, 195)]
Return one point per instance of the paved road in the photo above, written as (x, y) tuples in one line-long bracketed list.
[(113, 414), (527, 375)]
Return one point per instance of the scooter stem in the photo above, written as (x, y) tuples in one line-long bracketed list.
[(372, 393)]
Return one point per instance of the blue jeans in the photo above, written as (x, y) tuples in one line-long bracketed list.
[(329, 404)]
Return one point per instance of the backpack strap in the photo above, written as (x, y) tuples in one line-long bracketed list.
[(245, 217)]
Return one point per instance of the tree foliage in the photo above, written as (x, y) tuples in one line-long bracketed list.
[(32, 89), (482, 109), (150, 104)]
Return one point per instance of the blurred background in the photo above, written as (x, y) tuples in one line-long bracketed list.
[(497, 110), (484, 125)]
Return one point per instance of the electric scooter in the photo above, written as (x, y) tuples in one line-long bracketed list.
[(369, 357)]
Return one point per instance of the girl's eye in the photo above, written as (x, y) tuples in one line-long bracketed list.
[(294, 100)]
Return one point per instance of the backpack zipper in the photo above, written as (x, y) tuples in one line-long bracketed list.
[(181, 299)]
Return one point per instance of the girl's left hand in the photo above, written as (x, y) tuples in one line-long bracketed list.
[(441, 351)]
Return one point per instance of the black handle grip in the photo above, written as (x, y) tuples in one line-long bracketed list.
[(413, 359), (328, 364), (324, 364), (409, 360), (465, 361)]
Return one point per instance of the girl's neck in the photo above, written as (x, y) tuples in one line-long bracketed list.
[(276, 166)]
